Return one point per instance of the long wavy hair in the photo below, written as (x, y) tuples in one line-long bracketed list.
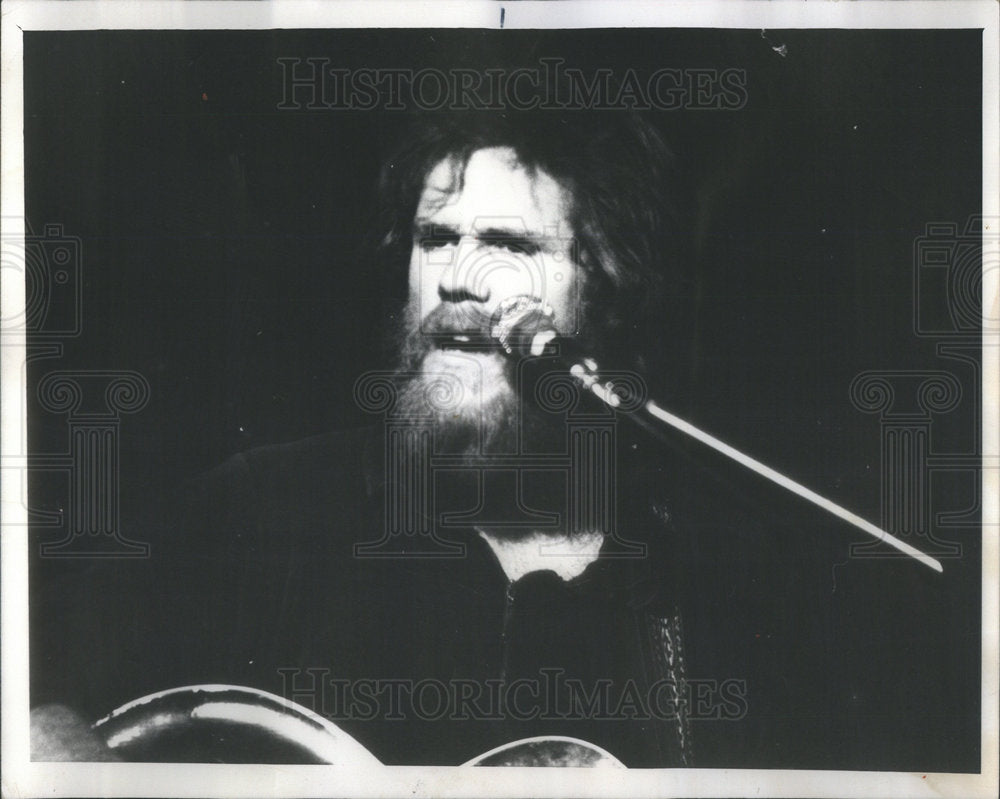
[(630, 237)]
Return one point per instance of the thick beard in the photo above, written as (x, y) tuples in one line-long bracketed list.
[(502, 424), (478, 431)]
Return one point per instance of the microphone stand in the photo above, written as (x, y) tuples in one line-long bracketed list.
[(523, 326)]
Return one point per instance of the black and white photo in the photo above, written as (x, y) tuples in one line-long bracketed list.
[(521, 385)]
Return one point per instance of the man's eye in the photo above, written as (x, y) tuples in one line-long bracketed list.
[(514, 245), (428, 243)]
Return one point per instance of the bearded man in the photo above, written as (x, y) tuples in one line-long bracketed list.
[(471, 579), (493, 559)]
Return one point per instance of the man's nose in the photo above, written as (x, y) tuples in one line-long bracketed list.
[(466, 277), (482, 272), (454, 288)]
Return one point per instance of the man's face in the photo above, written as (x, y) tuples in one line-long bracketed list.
[(491, 232)]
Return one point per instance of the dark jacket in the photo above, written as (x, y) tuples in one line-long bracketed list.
[(733, 639)]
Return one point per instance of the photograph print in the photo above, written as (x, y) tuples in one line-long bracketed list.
[(506, 396)]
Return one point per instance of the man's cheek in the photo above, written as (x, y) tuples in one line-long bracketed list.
[(560, 291)]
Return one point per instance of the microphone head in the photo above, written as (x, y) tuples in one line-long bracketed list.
[(523, 325)]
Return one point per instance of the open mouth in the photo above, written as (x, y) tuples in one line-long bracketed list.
[(466, 342)]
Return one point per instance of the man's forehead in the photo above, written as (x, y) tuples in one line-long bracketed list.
[(493, 190)]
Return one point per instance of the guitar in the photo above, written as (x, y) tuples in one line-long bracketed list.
[(236, 724)]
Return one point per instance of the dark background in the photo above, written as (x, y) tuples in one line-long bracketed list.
[(222, 243)]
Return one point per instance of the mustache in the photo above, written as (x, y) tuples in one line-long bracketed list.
[(451, 319), (415, 336)]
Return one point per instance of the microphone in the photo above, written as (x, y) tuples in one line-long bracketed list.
[(524, 326)]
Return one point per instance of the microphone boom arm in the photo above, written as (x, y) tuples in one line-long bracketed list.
[(523, 326)]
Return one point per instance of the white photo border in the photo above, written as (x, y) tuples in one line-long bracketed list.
[(24, 778)]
